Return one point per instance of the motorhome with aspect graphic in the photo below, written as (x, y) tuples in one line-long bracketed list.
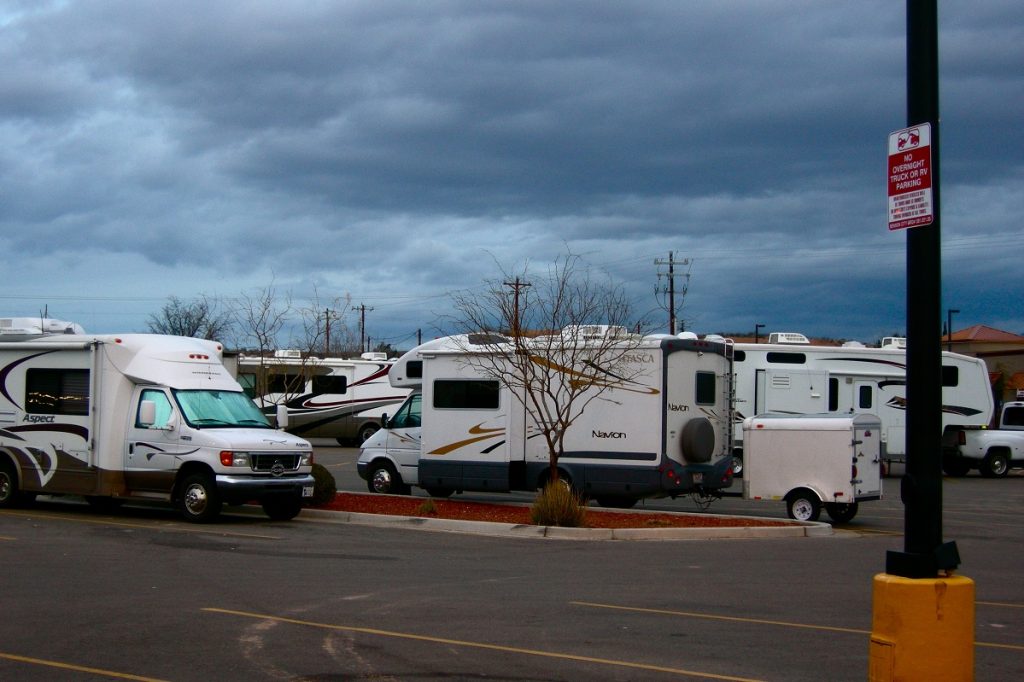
[(325, 397), (789, 375), (659, 425), (140, 416)]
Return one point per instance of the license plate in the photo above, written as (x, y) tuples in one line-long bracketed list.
[(307, 491), (698, 478)]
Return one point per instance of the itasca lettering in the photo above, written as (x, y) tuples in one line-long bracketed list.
[(607, 434)]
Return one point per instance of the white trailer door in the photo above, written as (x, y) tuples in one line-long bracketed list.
[(791, 391)]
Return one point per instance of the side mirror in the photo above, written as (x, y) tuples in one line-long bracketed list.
[(147, 413), (384, 421), (282, 417)]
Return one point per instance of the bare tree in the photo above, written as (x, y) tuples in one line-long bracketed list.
[(204, 317), (556, 340)]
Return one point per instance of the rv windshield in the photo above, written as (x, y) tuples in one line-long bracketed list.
[(220, 409)]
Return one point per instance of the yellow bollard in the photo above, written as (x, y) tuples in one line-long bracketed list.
[(922, 629)]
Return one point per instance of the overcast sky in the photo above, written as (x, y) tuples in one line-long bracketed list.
[(396, 151)]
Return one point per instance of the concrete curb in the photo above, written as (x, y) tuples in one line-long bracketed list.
[(796, 529)]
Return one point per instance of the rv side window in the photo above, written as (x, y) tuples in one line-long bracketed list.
[(163, 409), (950, 375), (864, 398), (787, 358), (705, 388), (414, 369), (466, 394), (408, 415), (833, 395), (330, 384), (285, 383), (57, 391), (739, 356)]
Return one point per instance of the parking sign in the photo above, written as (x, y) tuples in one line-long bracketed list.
[(910, 177)]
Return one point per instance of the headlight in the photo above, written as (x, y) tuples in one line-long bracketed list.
[(306, 459), (230, 458)]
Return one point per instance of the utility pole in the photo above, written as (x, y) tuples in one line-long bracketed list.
[(670, 287), (362, 308), (516, 286), (327, 332)]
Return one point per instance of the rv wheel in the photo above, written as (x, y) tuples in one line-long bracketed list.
[(8, 484), (803, 505), (199, 501), (841, 512), (281, 507), (366, 431), (955, 466), (385, 480)]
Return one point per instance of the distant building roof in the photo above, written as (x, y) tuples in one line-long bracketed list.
[(979, 333)]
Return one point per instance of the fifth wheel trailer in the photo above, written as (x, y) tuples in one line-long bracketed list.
[(144, 417), (661, 426), (791, 376)]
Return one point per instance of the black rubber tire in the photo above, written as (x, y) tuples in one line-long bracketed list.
[(841, 512), (281, 507), (803, 505), (365, 431), (198, 500), (384, 480), (10, 495), (995, 465)]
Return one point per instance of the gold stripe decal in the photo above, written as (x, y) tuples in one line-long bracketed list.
[(478, 429)]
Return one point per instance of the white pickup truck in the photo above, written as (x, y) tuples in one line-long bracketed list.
[(993, 452)]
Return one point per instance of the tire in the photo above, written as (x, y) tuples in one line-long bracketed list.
[(10, 496), (198, 500), (955, 466), (841, 512), (282, 507), (803, 505), (365, 431), (616, 502), (737, 466), (995, 465), (384, 480)]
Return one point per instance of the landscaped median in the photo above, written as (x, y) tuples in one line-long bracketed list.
[(514, 519)]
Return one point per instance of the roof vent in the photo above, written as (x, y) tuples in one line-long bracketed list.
[(788, 337)]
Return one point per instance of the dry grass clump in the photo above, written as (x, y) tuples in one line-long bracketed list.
[(559, 505)]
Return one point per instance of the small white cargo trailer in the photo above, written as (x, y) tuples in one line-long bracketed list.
[(811, 461)]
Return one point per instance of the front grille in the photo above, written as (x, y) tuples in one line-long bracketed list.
[(266, 461)]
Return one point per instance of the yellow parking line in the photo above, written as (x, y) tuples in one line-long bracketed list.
[(127, 524), (77, 668), (482, 645), (757, 621), (1002, 604)]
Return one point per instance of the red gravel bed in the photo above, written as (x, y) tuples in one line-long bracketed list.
[(507, 513)]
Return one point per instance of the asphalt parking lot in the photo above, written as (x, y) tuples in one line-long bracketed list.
[(141, 595)]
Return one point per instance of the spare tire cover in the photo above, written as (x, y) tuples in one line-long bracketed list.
[(698, 440)]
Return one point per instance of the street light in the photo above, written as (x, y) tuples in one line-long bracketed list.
[(950, 312), (757, 332)]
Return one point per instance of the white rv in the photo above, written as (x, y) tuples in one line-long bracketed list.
[(325, 397), (140, 416), (661, 426), (788, 375)]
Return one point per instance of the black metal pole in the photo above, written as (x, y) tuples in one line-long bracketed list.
[(924, 554)]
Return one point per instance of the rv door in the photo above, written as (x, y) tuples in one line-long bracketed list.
[(152, 441)]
